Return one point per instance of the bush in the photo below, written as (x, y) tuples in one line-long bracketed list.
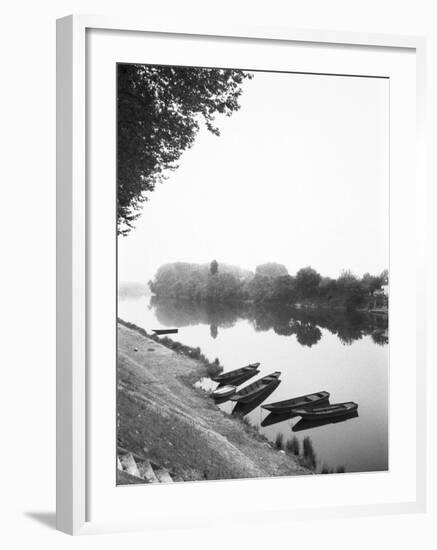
[(293, 446), (279, 441), (309, 453)]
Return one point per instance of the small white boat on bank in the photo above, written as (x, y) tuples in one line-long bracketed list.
[(224, 391)]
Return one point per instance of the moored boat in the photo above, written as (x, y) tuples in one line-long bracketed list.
[(329, 411), (238, 380), (252, 391), (241, 409), (304, 401), (236, 373), (224, 391), (159, 331)]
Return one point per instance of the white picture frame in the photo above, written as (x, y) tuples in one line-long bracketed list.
[(73, 271)]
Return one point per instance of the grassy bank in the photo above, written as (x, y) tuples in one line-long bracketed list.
[(212, 368), (161, 414)]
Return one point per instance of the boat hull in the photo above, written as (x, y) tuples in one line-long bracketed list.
[(240, 379), (225, 391), (241, 409), (282, 407), (332, 411), (160, 332), (228, 377), (252, 391)]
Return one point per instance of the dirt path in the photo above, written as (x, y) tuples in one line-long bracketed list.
[(161, 414)]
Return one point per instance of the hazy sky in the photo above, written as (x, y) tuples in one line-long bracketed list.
[(299, 175)]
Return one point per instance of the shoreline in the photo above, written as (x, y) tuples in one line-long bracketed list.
[(302, 306), (162, 416)]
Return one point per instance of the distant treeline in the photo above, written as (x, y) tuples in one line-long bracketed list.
[(271, 284)]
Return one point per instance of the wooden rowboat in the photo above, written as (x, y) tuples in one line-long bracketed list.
[(330, 411), (224, 391), (240, 379), (159, 331), (241, 409), (252, 391), (229, 376), (304, 401)]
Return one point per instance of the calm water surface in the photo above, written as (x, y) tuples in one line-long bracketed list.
[(345, 355)]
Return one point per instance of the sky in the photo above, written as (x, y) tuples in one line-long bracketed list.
[(299, 176)]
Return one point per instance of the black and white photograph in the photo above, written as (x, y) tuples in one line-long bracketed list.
[(218, 268), (252, 274)]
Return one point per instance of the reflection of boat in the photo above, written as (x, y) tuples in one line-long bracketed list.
[(242, 409), (253, 390), (304, 401), (232, 374), (274, 418), (304, 424), (329, 411), (220, 400), (159, 331), (240, 379), (223, 391)]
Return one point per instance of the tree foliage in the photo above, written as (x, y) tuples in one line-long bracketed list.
[(259, 288), (352, 290), (198, 282), (372, 282), (284, 290), (271, 269), (307, 281), (159, 112), (384, 277)]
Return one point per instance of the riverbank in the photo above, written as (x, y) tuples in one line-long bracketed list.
[(161, 415)]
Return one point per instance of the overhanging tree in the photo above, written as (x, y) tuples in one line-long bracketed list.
[(159, 112)]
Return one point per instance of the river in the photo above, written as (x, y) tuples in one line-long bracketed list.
[(347, 355)]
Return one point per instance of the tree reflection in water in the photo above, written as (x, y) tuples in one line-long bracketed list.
[(213, 330), (305, 324)]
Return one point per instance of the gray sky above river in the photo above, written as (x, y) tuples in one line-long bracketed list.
[(299, 176)]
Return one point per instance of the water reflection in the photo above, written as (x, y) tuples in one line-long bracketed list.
[(310, 424), (344, 353), (274, 418), (380, 336), (304, 324)]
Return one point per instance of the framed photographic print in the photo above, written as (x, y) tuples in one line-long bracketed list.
[(240, 213)]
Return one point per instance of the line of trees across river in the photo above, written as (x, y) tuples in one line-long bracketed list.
[(270, 284)]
